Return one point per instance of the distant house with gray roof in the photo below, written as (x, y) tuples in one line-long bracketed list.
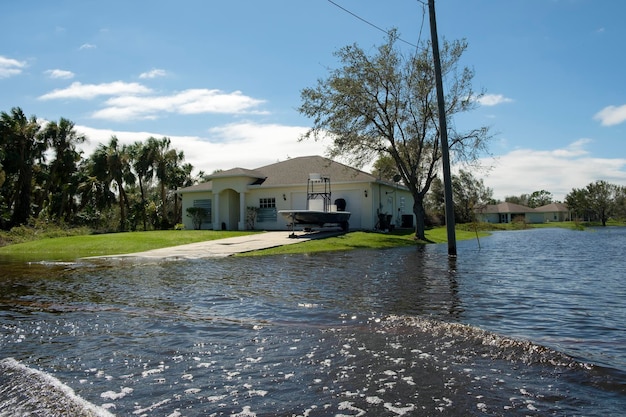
[(228, 195), (508, 212)]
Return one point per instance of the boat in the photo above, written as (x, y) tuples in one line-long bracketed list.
[(319, 212)]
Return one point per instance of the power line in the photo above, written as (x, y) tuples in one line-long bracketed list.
[(378, 27)]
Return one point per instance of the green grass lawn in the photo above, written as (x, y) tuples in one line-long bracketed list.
[(70, 248), (365, 240)]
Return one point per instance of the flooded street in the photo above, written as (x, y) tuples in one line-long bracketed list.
[(527, 323)]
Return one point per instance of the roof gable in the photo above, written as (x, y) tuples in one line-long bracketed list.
[(297, 170), (504, 208), (293, 171), (553, 207), (237, 172)]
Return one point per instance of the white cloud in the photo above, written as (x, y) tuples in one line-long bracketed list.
[(10, 67), (558, 171), (59, 74), (245, 145), (78, 90), (153, 74), (87, 46), (611, 115), (193, 101), (493, 99)]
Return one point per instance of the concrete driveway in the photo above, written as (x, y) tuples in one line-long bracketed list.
[(224, 247)]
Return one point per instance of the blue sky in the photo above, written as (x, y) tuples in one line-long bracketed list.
[(223, 79)]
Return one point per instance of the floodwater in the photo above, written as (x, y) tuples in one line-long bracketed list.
[(521, 323)]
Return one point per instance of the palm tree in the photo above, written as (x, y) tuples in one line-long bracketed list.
[(111, 165), (22, 148), (166, 162), (143, 164), (62, 183)]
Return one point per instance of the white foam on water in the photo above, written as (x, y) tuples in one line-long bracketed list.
[(400, 411), (348, 406), (373, 400), (112, 395), (244, 413), (26, 391), (151, 407)]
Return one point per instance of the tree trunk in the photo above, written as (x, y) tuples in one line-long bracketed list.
[(143, 204), (420, 217), (21, 208)]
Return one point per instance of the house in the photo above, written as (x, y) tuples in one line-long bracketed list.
[(229, 195), (555, 212), (508, 212)]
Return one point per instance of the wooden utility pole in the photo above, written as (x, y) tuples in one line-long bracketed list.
[(443, 134)]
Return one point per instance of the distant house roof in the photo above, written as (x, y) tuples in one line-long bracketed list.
[(504, 208), (553, 208), (293, 171), (518, 208)]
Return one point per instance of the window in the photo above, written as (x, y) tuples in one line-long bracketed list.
[(267, 210), (205, 204), (267, 202)]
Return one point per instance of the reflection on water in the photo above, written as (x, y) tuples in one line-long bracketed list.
[(395, 332)]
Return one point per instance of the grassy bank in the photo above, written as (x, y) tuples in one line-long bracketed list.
[(69, 248), (365, 240), (55, 246)]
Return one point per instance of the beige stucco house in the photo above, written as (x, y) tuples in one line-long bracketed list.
[(508, 212), (228, 195)]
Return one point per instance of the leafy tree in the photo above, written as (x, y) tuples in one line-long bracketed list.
[(385, 105), (597, 201), (540, 198), (23, 148), (166, 163), (385, 169), (468, 193), (523, 200), (142, 157), (111, 166), (198, 215), (620, 202), (61, 183), (601, 198)]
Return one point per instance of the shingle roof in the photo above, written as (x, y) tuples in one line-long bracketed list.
[(296, 171), (553, 207), (293, 171), (505, 208), (237, 172), (518, 208)]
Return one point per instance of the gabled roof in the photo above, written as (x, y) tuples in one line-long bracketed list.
[(518, 208), (504, 208), (203, 186), (293, 171), (237, 172), (553, 208), (296, 171)]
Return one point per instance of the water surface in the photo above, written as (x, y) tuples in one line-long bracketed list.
[(524, 323)]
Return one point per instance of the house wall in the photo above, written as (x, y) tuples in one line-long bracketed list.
[(555, 216), (488, 217), (187, 201), (363, 200), (534, 218)]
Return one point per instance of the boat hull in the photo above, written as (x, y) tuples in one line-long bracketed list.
[(317, 218)]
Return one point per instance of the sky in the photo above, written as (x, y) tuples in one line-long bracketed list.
[(222, 79)]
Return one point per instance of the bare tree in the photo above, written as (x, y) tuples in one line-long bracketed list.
[(386, 104)]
